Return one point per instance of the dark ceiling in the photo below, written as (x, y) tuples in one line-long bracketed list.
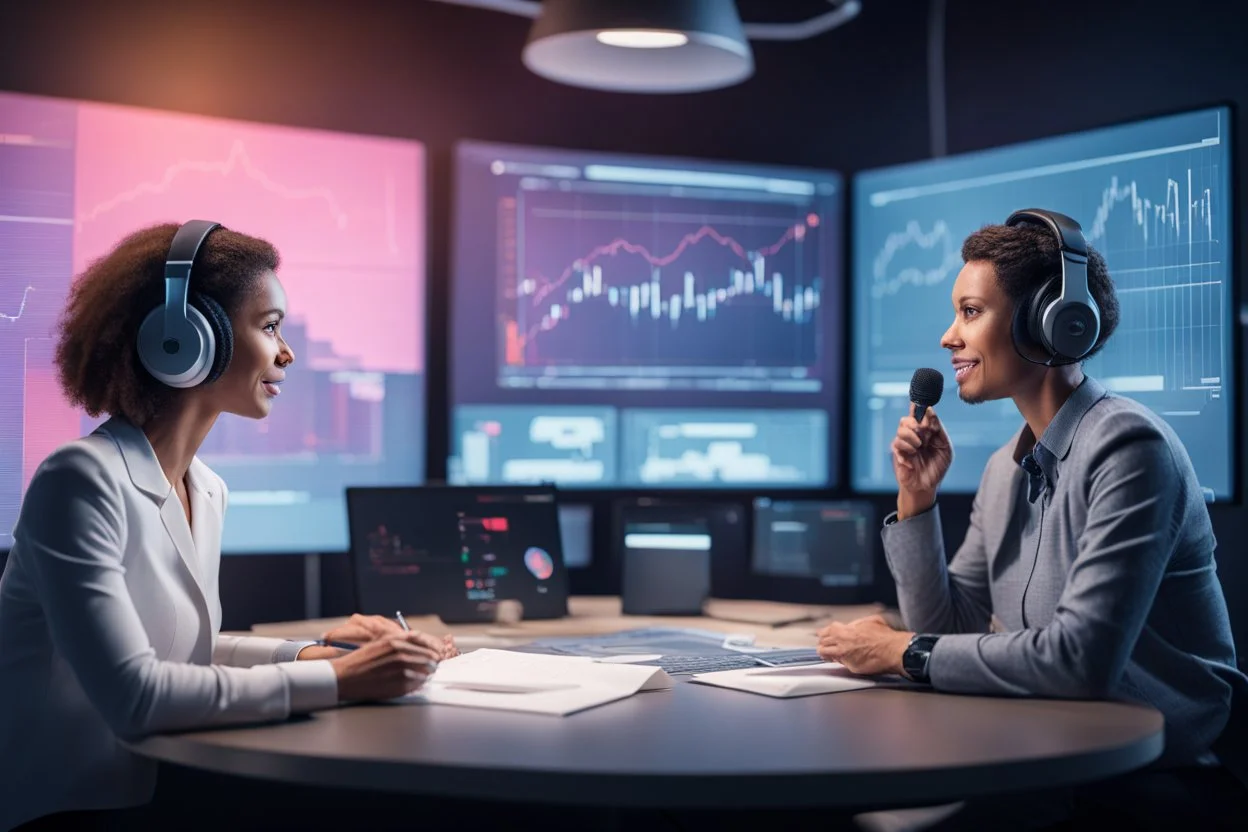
[(788, 11)]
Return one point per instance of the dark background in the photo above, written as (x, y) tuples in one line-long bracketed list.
[(853, 98)]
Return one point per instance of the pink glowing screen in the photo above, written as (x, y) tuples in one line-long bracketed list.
[(346, 212)]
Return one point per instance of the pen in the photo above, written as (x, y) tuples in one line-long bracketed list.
[(341, 645), (398, 616)]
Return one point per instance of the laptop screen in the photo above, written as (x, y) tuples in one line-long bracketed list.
[(456, 552)]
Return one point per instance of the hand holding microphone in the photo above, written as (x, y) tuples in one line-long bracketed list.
[(922, 452)]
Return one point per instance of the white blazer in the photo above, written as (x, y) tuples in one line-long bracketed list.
[(109, 615)]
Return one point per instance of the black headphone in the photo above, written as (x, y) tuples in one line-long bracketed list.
[(1060, 319), (187, 340)]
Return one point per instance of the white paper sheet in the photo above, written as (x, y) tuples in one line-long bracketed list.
[(785, 682), (534, 683)]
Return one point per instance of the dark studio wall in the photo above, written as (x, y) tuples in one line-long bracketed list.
[(851, 99)]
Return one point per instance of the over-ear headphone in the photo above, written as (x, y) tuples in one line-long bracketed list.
[(1060, 319), (187, 340)]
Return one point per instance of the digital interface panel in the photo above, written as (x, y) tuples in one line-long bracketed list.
[(1154, 197), (567, 445), (826, 541), (347, 215), (590, 290), (663, 448), (455, 552)]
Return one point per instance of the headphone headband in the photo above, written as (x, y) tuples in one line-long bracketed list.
[(178, 263), (1068, 232)]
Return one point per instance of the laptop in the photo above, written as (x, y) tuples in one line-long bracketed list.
[(457, 551)]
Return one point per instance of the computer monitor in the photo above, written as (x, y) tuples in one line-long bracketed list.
[(830, 542), (347, 215), (640, 322), (1153, 196), (677, 525), (576, 529), (457, 552), (665, 567)]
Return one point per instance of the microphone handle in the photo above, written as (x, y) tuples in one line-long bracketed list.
[(920, 410)]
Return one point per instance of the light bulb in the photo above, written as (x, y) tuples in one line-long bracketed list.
[(642, 38)]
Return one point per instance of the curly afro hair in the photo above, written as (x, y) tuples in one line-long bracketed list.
[(96, 355), (1026, 255)]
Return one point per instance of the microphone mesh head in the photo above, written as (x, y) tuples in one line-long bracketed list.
[(926, 385)]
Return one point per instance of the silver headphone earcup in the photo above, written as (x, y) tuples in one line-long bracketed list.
[(182, 358), (1071, 329)]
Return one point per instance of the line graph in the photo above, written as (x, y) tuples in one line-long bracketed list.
[(21, 308), (237, 159), (622, 287), (1160, 216), (648, 298), (1157, 223), (793, 232), (951, 259), (1153, 199)]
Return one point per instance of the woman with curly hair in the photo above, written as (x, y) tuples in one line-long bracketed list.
[(109, 611)]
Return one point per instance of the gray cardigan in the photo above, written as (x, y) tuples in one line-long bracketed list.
[(1087, 572)]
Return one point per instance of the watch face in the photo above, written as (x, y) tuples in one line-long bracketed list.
[(914, 660)]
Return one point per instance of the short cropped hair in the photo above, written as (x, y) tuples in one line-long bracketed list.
[(1026, 255), (96, 355)]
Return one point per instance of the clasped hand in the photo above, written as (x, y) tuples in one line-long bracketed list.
[(389, 662), (361, 629), (867, 646)]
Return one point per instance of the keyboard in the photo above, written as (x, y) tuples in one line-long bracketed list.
[(703, 664), (788, 658), (739, 661)]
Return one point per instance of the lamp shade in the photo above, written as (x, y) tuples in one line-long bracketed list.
[(651, 46)]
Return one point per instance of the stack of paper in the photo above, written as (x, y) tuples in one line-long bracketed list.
[(786, 682), (534, 683)]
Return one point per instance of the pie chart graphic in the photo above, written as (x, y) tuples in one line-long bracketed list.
[(539, 563)]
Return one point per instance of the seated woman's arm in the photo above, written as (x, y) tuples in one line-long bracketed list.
[(72, 529), (935, 597), (249, 651), (1133, 512)]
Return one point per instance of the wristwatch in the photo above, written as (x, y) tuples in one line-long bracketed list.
[(918, 653)]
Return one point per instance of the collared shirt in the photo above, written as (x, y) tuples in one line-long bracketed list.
[(1041, 458), (1094, 571)]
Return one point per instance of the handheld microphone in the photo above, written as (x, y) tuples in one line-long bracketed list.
[(926, 387)]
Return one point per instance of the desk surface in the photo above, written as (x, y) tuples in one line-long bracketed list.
[(599, 614), (693, 746)]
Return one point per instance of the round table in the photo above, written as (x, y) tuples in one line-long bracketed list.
[(695, 746)]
